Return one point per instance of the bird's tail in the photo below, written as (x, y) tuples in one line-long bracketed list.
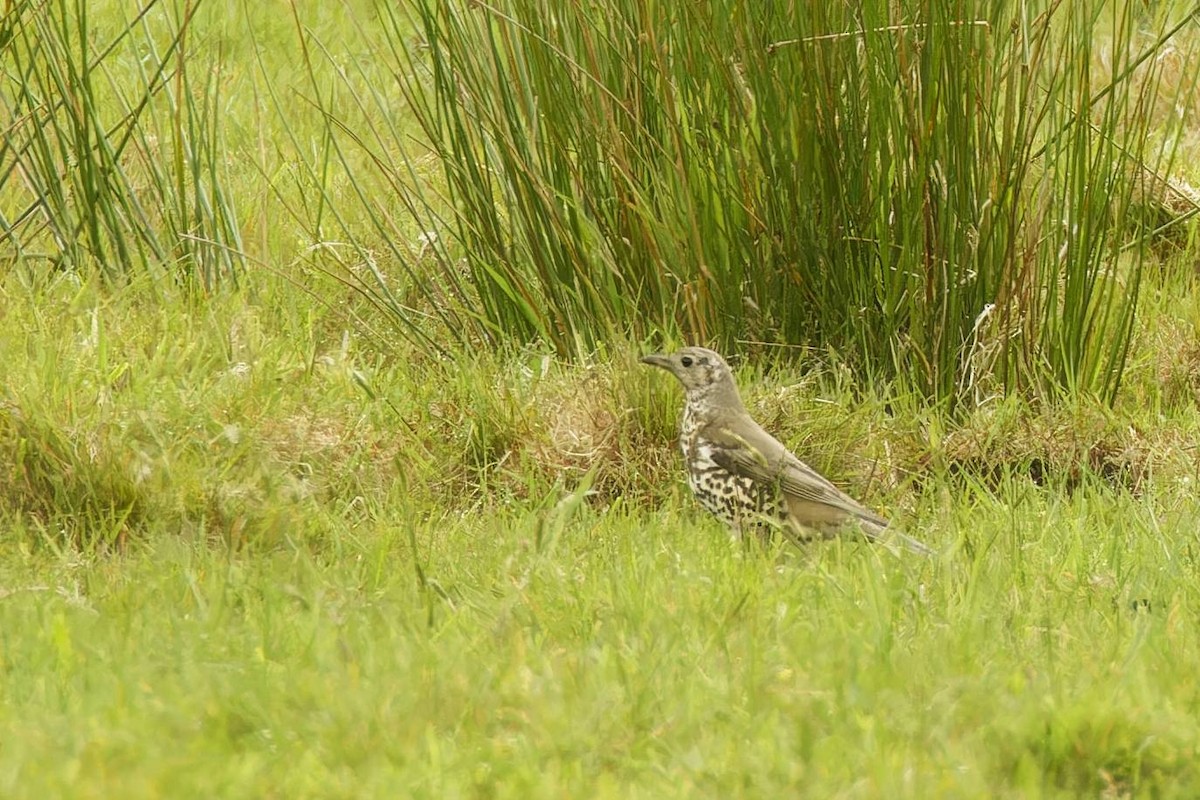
[(892, 536), (913, 545)]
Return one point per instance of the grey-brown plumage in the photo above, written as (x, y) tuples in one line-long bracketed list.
[(744, 475)]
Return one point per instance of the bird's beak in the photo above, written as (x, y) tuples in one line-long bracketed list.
[(657, 360)]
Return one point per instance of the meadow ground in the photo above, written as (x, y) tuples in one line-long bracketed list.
[(258, 544), (307, 592)]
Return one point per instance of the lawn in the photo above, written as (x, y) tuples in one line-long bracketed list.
[(263, 541)]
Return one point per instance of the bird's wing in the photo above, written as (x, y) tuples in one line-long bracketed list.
[(746, 449)]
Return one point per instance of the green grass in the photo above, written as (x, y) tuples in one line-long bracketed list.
[(932, 188), (638, 653), (317, 601), (642, 655), (263, 541)]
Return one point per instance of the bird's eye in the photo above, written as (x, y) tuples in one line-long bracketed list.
[(686, 361)]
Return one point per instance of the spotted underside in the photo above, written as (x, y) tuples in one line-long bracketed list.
[(739, 501)]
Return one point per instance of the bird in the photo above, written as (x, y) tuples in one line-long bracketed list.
[(745, 476)]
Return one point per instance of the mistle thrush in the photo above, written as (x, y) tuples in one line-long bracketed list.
[(744, 475)]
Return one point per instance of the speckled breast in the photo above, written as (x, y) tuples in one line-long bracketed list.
[(738, 501)]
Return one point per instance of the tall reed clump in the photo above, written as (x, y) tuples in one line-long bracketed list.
[(111, 158), (939, 190)]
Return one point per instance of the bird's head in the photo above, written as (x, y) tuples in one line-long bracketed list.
[(705, 376)]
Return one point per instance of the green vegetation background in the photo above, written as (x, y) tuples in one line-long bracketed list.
[(327, 468)]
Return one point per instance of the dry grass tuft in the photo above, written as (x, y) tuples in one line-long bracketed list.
[(1063, 447), (75, 484)]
